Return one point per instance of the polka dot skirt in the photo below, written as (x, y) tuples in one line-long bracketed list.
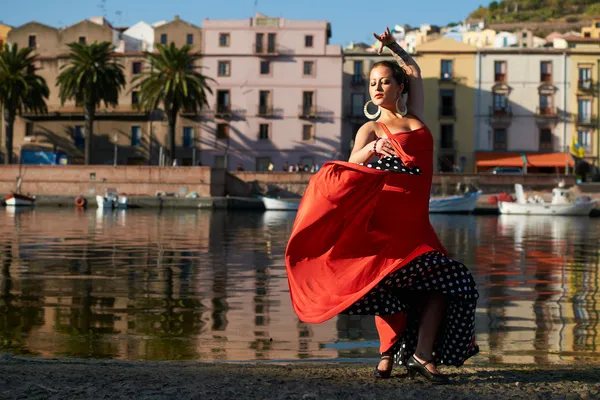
[(404, 290), (393, 164)]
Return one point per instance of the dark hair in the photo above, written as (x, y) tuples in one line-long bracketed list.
[(397, 73)]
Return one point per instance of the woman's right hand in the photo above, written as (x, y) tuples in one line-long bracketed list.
[(384, 147)]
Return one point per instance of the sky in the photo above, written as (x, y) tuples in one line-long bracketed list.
[(351, 20)]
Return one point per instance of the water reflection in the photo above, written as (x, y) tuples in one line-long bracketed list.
[(137, 284)]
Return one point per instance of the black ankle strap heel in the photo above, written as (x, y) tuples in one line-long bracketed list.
[(385, 374), (413, 367)]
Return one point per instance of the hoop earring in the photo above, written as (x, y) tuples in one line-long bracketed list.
[(403, 112), (367, 114)]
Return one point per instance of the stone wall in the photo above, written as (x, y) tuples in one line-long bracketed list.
[(94, 179)]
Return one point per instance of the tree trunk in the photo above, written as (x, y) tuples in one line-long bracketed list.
[(172, 119), (9, 125), (89, 115)]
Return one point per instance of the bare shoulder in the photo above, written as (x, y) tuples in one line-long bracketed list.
[(368, 130)]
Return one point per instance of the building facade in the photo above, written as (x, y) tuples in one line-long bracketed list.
[(278, 95), (522, 109), (448, 71), (4, 29)]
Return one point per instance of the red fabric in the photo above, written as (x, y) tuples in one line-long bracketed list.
[(355, 225), (389, 327)]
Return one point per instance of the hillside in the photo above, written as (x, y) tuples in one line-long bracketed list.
[(538, 10)]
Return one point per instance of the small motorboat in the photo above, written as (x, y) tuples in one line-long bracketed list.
[(455, 204), (564, 202), (109, 200), (122, 201), (287, 204), (17, 199)]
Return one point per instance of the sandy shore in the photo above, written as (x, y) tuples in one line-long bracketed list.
[(96, 379)]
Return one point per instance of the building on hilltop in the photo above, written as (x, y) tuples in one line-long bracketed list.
[(4, 29), (592, 31)]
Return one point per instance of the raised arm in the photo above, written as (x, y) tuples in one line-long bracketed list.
[(416, 95)]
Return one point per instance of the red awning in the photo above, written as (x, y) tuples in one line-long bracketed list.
[(549, 160), (498, 159)]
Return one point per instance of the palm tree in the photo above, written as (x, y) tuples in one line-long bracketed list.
[(90, 78), (20, 89), (173, 80)]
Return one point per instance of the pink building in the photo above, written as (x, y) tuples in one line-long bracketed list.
[(278, 95)]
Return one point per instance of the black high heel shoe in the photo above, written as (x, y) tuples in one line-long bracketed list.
[(413, 367), (385, 374)]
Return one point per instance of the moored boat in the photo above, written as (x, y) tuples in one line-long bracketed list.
[(455, 204), (564, 202), (17, 199), (280, 203)]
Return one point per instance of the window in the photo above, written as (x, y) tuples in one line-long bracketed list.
[(262, 163), (358, 75), (447, 136), (271, 39), (597, 24), (500, 103), (584, 109), (82, 40), (358, 102), (308, 41), (307, 133), (79, 137), (263, 132), (447, 103), (220, 162), (446, 69), (309, 67), (224, 68), (135, 98), (29, 129), (188, 137), (545, 139), (585, 78), (584, 137), (545, 104), (163, 38), (546, 71), (259, 43), (222, 131), (136, 135), (136, 67), (499, 71), (32, 41), (264, 102), (224, 39), (265, 67), (587, 34), (307, 103), (189, 39), (223, 101), (499, 139)]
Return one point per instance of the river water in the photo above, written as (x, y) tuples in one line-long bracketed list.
[(211, 285)]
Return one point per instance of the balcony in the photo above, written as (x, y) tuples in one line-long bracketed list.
[(586, 120), (501, 116), (355, 115), (357, 80), (546, 78), (546, 115), (267, 111), (261, 50), (223, 111), (499, 78), (586, 85), (307, 112), (447, 112)]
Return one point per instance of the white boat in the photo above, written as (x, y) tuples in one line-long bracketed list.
[(563, 202), (16, 200), (122, 201), (456, 204), (109, 200), (280, 204)]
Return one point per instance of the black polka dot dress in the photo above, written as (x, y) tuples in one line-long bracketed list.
[(406, 289)]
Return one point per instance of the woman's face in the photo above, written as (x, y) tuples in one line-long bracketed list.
[(383, 88)]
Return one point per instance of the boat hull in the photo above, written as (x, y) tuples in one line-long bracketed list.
[(105, 202), (280, 204), (18, 200), (457, 204), (581, 208)]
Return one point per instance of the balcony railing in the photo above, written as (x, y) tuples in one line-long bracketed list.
[(307, 111), (546, 78), (223, 111), (446, 77), (267, 111), (501, 116), (260, 49), (358, 80), (447, 112), (585, 85), (499, 77), (586, 119), (547, 112), (505, 111)]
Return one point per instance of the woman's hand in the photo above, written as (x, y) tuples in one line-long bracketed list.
[(385, 39), (384, 147)]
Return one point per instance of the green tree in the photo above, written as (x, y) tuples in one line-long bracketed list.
[(91, 77), (173, 80), (21, 89)]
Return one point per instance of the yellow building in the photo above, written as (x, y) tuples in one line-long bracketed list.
[(592, 31), (4, 29), (480, 39), (585, 75), (448, 70)]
